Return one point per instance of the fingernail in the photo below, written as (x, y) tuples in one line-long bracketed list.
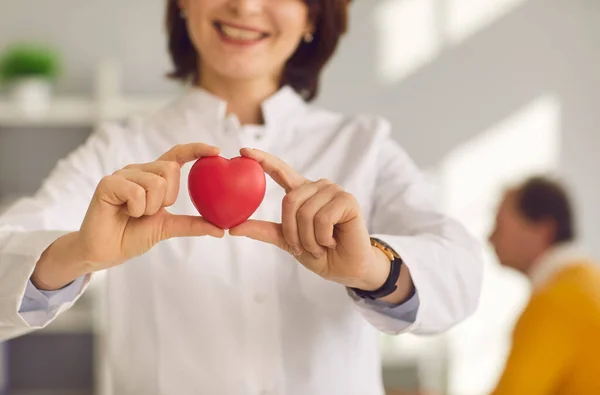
[(297, 250)]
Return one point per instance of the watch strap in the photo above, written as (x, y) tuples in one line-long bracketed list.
[(389, 286)]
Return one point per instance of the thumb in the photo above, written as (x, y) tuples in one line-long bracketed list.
[(267, 232), (188, 226)]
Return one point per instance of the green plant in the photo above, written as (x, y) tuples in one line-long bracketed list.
[(29, 60)]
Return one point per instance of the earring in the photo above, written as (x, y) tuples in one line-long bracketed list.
[(308, 38), (183, 13)]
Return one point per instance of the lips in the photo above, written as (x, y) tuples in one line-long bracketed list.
[(239, 33)]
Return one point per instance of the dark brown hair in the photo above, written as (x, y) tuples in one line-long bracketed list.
[(303, 69), (542, 199)]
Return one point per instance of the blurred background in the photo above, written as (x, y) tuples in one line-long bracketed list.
[(481, 93)]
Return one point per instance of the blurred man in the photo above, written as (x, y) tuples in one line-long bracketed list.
[(556, 343)]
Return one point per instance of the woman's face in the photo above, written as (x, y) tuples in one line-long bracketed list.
[(246, 39)]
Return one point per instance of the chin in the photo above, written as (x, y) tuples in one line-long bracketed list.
[(237, 72), (246, 75), (515, 266), (506, 262)]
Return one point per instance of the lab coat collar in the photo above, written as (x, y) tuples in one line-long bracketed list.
[(279, 108), (282, 107), (554, 260)]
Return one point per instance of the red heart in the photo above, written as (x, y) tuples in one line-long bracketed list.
[(226, 192)]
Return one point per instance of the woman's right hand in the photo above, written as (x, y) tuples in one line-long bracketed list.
[(125, 219)]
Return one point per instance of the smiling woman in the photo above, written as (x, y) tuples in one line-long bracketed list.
[(275, 36), (346, 240)]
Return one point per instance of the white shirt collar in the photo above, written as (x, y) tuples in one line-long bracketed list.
[(554, 260), (278, 110)]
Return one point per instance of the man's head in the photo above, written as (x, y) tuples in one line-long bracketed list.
[(531, 219)]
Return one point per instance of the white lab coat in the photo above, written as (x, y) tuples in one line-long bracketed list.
[(235, 316)]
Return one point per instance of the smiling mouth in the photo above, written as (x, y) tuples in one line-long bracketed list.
[(239, 34)]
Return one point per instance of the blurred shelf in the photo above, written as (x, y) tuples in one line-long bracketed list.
[(63, 111), (107, 102), (81, 111)]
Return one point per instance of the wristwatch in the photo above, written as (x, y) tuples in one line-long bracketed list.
[(389, 286)]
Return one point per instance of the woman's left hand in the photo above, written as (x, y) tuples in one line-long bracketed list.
[(321, 226)]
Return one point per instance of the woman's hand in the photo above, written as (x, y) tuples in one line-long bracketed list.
[(126, 218), (321, 226)]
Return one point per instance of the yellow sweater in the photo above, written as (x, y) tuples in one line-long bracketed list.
[(556, 343)]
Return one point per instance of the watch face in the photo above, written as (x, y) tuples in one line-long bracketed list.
[(381, 242), (389, 251)]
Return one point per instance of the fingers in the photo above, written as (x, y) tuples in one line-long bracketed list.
[(184, 153), (188, 226), (282, 173), (342, 209), (161, 179), (291, 204), (170, 171), (267, 232), (315, 232), (117, 191), (309, 215), (154, 186)]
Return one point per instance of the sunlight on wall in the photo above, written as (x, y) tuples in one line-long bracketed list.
[(472, 179), (467, 17), (407, 37), (412, 33)]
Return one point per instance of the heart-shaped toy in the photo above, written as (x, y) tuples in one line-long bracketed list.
[(226, 192)]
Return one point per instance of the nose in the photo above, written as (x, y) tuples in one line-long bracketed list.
[(246, 7)]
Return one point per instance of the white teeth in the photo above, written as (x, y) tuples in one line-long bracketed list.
[(240, 34)]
